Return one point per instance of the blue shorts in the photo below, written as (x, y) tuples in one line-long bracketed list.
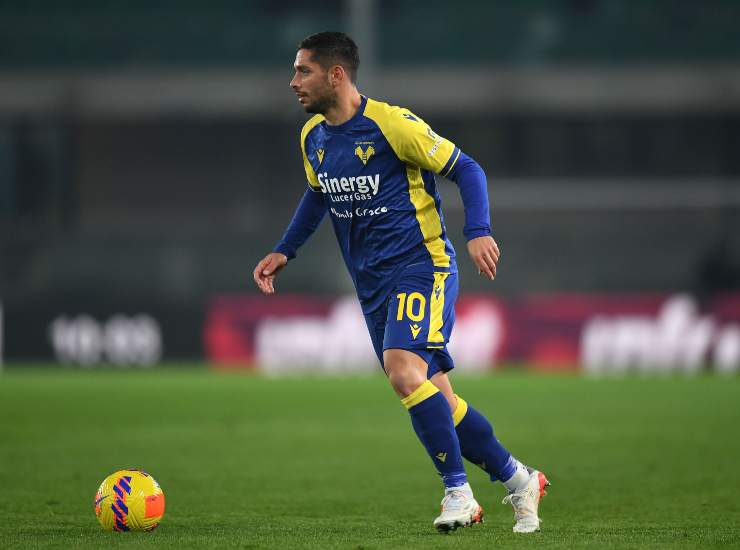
[(418, 316)]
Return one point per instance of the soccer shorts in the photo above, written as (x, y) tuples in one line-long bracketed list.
[(418, 316)]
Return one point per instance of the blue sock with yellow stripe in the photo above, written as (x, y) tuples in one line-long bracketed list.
[(479, 445), (432, 422)]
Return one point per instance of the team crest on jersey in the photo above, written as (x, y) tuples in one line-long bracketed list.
[(365, 155), (320, 154)]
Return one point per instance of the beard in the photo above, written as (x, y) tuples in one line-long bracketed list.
[(323, 103)]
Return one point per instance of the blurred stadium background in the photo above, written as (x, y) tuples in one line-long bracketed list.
[(149, 157)]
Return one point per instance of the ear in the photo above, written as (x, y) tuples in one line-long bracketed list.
[(337, 75)]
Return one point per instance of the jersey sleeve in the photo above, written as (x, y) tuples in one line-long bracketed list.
[(471, 179), (413, 140), (307, 217), (310, 154)]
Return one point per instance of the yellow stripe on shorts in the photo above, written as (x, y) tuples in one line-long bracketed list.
[(436, 309)]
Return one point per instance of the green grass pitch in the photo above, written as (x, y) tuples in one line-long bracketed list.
[(328, 462)]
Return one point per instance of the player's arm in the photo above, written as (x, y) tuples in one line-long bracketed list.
[(307, 217), (471, 180)]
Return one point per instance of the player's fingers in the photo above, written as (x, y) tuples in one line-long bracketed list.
[(494, 265), (491, 249), (258, 271), (493, 253), (483, 268), (496, 248), (491, 265), (492, 259), (265, 286), (257, 276), (269, 288), (269, 267), (262, 285), (263, 281)]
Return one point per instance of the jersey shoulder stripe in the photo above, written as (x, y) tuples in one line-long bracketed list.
[(420, 149), (313, 180), (411, 139)]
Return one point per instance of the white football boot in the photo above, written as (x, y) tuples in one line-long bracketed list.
[(526, 502), (459, 509)]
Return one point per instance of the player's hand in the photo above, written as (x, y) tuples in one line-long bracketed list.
[(485, 254), (267, 269)]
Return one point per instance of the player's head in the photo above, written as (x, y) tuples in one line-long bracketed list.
[(325, 66)]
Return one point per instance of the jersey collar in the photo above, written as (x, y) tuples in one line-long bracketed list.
[(340, 128)]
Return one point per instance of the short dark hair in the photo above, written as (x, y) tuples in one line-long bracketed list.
[(333, 48)]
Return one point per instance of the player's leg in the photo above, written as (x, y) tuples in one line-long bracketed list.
[(479, 445), (431, 418), (413, 315), (430, 413)]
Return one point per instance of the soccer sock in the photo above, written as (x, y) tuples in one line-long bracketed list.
[(519, 478), (480, 446), (432, 422)]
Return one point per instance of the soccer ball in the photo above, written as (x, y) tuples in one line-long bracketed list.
[(129, 500)]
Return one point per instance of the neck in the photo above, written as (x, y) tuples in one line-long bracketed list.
[(345, 108)]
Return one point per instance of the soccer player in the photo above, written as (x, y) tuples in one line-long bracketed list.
[(371, 167)]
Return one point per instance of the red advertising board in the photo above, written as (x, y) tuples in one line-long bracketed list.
[(598, 333)]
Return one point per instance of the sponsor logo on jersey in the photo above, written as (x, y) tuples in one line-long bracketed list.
[(320, 154), (410, 117), (367, 186), (358, 212), (414, 330), (437, 142), (364, 155)]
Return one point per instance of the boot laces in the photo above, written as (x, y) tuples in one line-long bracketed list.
[(521, 502)]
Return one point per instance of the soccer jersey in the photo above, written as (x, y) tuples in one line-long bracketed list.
[(376, 176)]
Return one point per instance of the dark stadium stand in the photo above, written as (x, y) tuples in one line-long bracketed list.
[(86, 34)]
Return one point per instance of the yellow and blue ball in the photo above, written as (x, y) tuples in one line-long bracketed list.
[(129, 500)]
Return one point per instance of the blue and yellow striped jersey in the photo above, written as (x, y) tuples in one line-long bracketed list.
[(376, 175)]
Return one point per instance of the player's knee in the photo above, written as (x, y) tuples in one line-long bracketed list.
[(404, 377), (405, 381)]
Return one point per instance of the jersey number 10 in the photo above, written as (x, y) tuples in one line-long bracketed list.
[(414, 306)]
